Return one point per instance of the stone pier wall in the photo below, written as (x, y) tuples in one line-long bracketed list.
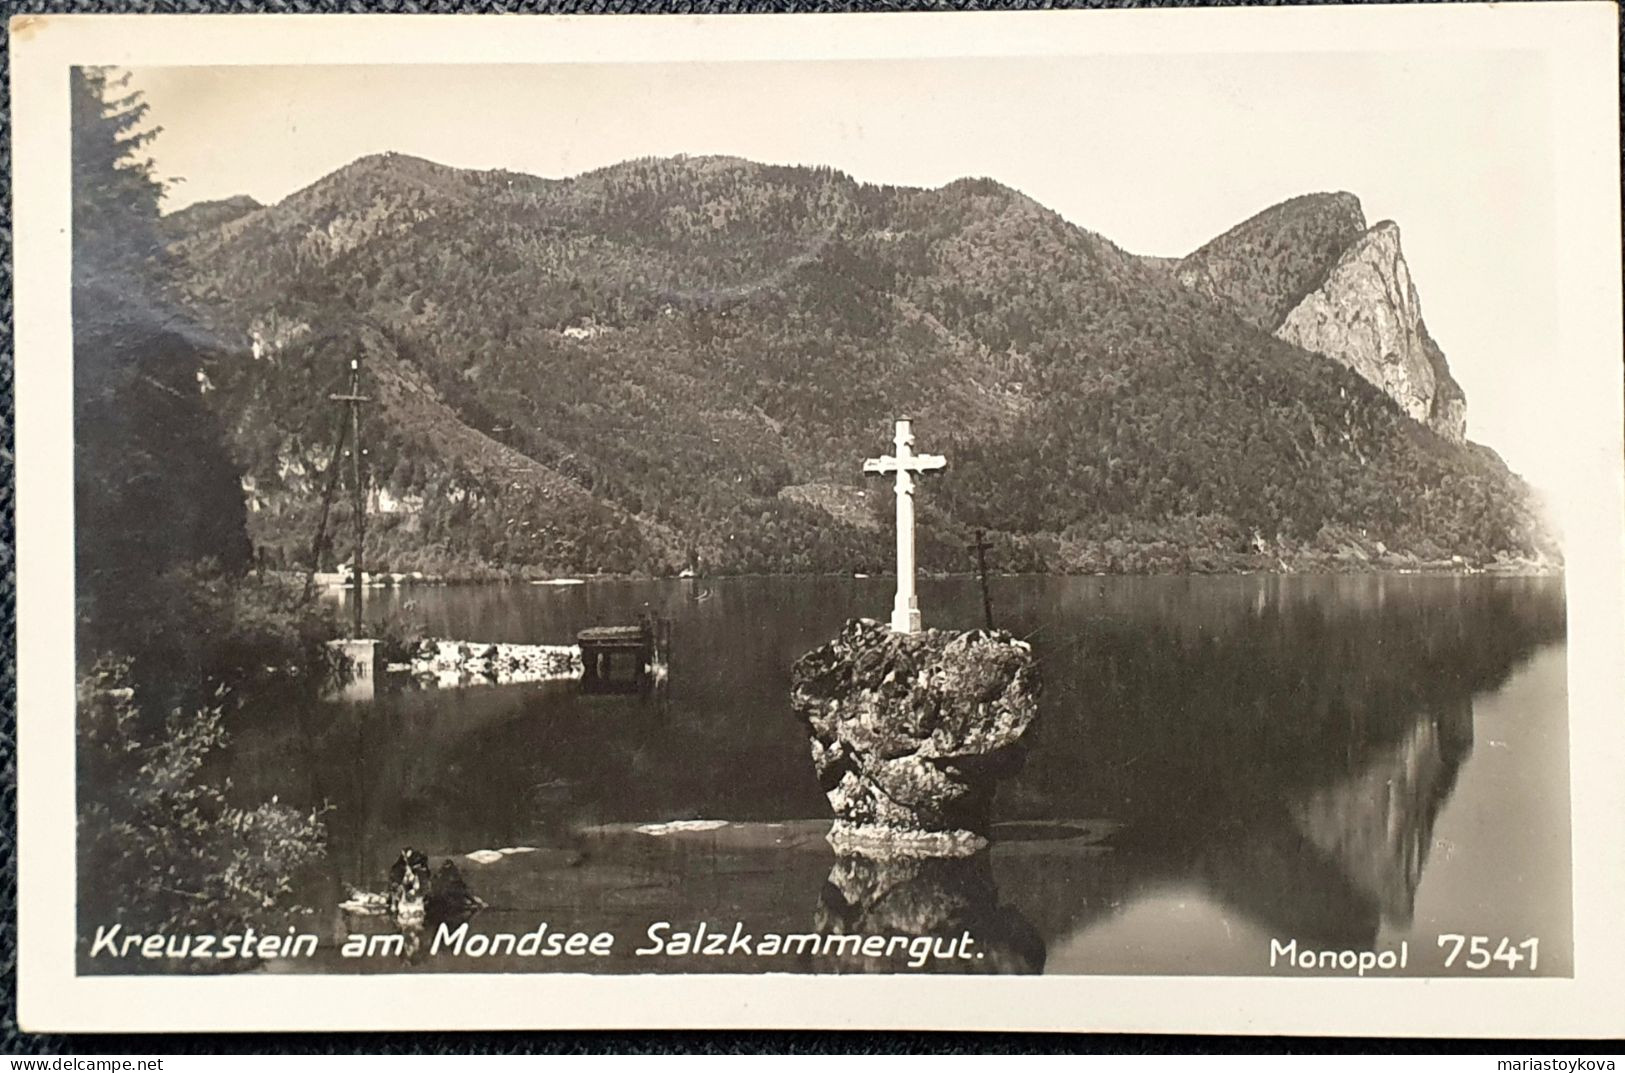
[(465, 662)]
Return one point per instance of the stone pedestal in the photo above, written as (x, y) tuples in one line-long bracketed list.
[(910, 732), (905, 614)]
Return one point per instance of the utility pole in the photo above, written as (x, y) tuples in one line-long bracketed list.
[(353, 400), (981, 548), (320, 540)]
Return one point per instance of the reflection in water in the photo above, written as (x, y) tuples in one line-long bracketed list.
[(1376, 823), (1254, 757), (1329, 864), (395, 936), (1285, 758), (939, 897)]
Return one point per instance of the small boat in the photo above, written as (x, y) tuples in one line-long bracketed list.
[(559, 581), (688, 572)]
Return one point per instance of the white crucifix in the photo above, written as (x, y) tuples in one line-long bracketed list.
[(905, 612)]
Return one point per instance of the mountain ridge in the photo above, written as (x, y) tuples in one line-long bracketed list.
[(705, 347)]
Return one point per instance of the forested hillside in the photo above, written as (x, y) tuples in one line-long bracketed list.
[(683, 362)]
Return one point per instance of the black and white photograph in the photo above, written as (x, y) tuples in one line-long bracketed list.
[(1064, 514)]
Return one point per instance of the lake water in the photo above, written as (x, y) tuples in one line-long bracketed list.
[(1349, 762)]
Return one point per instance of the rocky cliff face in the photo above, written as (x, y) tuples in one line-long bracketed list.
[(1366, 316), (1309, 271)]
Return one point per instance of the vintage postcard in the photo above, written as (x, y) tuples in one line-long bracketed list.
[(1073, 520)]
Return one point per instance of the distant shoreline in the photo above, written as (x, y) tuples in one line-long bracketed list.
[(519, 577)]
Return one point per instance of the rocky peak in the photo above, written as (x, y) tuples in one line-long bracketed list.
[(1366, 315), (1263, 266)]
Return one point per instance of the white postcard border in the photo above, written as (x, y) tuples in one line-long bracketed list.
[(1579, 39)]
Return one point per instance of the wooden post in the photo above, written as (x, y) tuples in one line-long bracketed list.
[(981, 547)]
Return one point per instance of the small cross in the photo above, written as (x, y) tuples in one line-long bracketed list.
[(905, 615)]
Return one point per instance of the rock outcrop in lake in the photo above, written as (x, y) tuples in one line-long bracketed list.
[(911, 732), (1366, 315)]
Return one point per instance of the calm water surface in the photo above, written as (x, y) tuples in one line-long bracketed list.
[(1351, 762)]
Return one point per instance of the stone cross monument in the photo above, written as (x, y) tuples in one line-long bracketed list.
[(905, 614)]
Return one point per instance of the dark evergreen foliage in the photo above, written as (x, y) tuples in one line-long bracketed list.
[(154, 485), (172, 632)]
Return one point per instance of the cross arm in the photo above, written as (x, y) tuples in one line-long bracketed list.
[(913, 463)]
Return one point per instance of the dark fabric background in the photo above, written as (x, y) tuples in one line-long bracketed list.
[(12, 1041)]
